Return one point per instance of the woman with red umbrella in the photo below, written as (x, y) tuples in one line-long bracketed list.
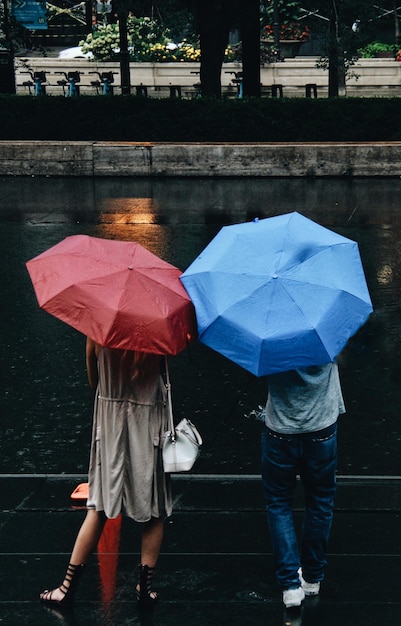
[(126, 469), (135, 309)]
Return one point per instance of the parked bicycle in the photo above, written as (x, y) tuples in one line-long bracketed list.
[(104, 83), (38, 82), (197, 86), (238, 82), (70, 83)]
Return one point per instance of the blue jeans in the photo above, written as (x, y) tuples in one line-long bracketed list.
[(314, 456)]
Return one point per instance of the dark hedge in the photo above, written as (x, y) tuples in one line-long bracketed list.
[(122, 118)]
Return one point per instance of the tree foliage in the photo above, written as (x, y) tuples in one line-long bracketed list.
[(174, 15), (342, 27), (12, 34), (357, 22)]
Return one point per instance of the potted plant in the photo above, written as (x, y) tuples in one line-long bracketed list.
[(292, 32), (292, 35), (377, 49)]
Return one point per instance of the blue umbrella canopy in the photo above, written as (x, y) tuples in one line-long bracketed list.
[(278, 293)]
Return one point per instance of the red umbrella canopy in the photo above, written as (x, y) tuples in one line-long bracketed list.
[(116, 292)]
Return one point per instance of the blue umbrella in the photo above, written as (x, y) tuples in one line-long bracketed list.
[(278, 293)]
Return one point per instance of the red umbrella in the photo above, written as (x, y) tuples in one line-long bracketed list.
[(116, 292)]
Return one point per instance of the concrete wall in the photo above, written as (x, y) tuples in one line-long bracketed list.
[(53, 158), (369, 77)]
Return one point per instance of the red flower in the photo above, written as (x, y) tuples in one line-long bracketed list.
[(290, 30)]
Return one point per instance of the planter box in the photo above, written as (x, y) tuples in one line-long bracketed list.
[(289, 48), (384, 55)]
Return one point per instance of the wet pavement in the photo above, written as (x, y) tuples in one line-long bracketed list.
[(215, 567), (216, 564)]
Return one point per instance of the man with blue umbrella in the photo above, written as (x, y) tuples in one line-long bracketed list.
[(300, 436), (281, 297)]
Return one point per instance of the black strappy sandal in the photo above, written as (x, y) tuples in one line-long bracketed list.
[(145, 596), (72, 577)]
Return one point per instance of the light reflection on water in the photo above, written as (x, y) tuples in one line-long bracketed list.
[(338, 202), (46, 409)]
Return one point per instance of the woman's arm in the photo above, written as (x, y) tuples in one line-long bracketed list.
[(91, 362)]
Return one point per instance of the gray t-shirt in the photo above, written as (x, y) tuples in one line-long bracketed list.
[(304, 400)]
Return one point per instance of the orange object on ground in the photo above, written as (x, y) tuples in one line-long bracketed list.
[(81, 492)]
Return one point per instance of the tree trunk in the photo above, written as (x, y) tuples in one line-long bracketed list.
[(397, 34), (214, 26), (7, 72), (124, 54), (333, 54), (276, 29), (250, 35)]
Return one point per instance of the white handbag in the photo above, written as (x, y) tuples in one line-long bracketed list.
[(181, 445)]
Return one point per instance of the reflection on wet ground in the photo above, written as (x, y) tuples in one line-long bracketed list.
[(216, 565), (46, 408)]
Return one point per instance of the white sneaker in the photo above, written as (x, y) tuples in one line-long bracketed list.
[(310, 589), (293, 597)]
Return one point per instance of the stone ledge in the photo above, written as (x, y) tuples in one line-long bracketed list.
[(96, 159), (46, 158)]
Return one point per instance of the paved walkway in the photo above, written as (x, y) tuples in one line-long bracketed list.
[(216, 563)]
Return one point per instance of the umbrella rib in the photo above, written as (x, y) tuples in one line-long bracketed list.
[(141, 274), (315, 254), (161, 283), (305, 316)]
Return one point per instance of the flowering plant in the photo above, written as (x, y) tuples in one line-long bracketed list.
[(184, 51), (143, 34), (103, 42), (147, 40), (170, 52), (288, 31)]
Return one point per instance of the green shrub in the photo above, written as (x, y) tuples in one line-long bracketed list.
[(131, 118), (372, 49)]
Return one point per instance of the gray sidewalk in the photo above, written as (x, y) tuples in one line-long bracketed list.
[(216, 564)]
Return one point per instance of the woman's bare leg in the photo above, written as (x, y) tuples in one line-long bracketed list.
[(85, 543), (152, 537), (88, 536)]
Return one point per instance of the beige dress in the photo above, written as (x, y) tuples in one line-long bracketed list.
[(130, 417)]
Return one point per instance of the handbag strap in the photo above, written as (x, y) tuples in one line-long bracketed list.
[(169, 401)]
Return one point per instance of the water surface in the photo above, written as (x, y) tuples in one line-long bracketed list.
[(46, 403)]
